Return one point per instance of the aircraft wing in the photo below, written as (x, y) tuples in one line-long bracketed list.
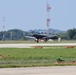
[(50, 37), (30, 37)]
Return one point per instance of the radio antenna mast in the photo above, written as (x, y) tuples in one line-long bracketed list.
[(3, 28), (48, 17)]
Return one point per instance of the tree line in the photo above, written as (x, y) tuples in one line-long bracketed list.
[(14, 34), (69, 35), (17, 34)]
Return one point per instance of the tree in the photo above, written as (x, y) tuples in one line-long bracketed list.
[(64, 36), (71, 33)]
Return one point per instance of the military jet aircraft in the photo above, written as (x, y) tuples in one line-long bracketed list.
[(44, 37), (38, 36)]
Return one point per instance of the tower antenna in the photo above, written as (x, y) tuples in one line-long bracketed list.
[(3, 28), (48, 17)]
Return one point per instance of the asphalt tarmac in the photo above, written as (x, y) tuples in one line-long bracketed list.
[(58, 70)]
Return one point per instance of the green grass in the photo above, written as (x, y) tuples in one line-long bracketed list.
[(25, 57)]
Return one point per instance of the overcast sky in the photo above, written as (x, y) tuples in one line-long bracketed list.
[(32, 14)]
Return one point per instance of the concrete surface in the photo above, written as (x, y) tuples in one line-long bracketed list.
[(38, 44), (59, 70)]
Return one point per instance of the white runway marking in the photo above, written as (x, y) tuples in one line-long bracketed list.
[(59, 70), (30, 45)]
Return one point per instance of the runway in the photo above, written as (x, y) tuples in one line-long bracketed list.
[(59, 70), (38, 44)]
